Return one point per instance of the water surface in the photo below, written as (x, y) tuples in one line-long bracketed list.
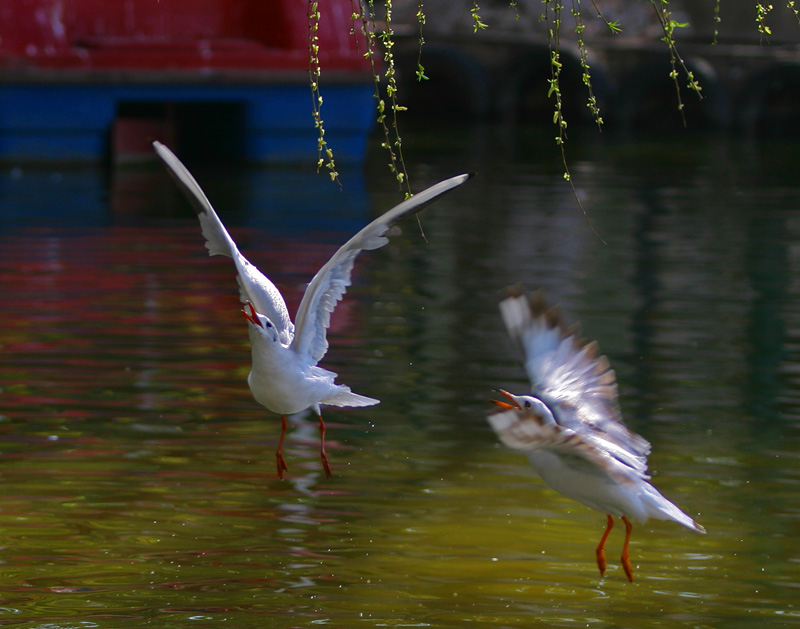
[(138, 473)]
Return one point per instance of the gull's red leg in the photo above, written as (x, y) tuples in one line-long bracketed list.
[(626, 561), (279, 453), (322, 446), (600, 552)]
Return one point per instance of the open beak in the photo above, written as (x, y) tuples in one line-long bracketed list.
[(511, 404), (251, 316)]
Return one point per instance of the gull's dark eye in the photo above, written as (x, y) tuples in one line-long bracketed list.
[(527, 404), (269, 325)]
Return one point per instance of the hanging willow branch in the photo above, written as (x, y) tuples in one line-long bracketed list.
[(421, 41), (586, 75), (762, 10), (477, 22), (324, 152), (552, 18), (364, 16), (669, 25), (387, 114), (793, 9)]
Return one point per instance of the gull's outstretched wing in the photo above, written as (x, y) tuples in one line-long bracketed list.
[(254, 285), (330, 283), (570, 376), (521, 431)]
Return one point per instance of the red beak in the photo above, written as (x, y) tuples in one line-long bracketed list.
[(511, 404), (251, 316)]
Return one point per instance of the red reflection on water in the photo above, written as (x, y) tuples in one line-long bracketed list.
[(134, 317)]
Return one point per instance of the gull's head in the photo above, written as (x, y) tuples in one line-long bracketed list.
[(260, 327), (528, 406)]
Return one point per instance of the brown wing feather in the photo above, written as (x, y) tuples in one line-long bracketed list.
[(570, 374), (521, 431)]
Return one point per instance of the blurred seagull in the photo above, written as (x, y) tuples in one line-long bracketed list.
[(572, 430), (285, 377)]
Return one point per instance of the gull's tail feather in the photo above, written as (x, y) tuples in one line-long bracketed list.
[(345, 397), (662, 509)]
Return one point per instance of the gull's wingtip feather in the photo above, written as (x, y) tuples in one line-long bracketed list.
[(160, 148), (699, 528), (512, 292)]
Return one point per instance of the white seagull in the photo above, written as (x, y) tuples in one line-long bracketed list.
[(572, 430), (285, 377)]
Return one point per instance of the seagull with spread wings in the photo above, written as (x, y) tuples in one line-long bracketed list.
[(285, 377), (571, 428)]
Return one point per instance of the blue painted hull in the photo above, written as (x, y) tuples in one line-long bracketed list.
[(73, 121)]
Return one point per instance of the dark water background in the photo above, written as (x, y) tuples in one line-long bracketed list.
[(138, 476)]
